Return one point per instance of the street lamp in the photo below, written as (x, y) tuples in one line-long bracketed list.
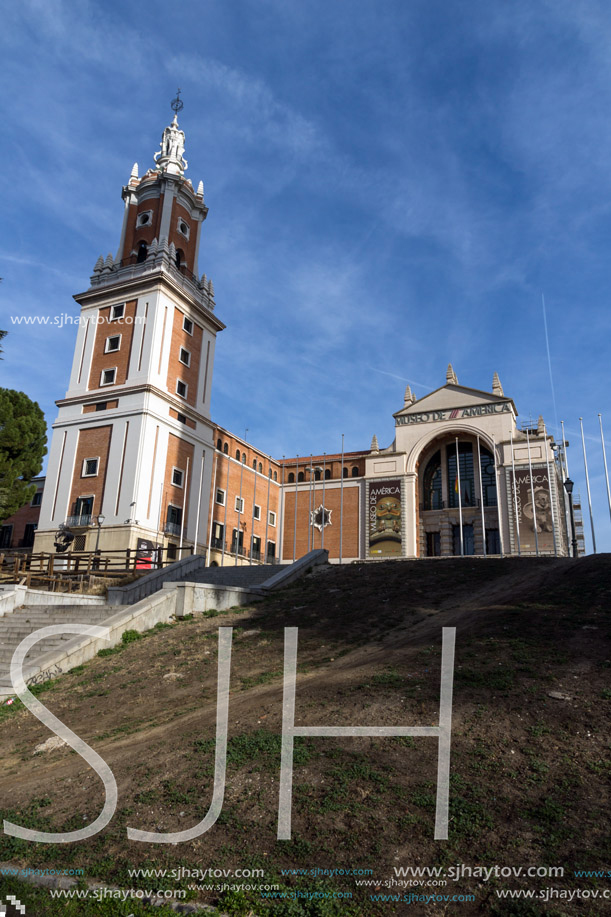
[(568, 486), (100, 522)]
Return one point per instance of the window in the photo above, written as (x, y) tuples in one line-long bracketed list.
[(117, 312), (433, 544), (260, 468), (219, 444), (254, 464), (183, 228), (271, 552), (431, 484), (291, 477), (142, 253), (90, 468), (187, 325), (6, 535), (180, 258), (467, 540), (345, 472), (185, 356), (226, 448), (355, 472), (108, 376), (237, 455), (181, 388), (173, 520), (275, 475), (256, 547), (239, 504), (493, 541), (317, 474), (113, 344), (177, 477), (257, 511), (220, 496), (464, 474), (237, 543), (327, 474), (300, 477), (181, 418), (37, 498), (83, 509), (488, 481), (272, 518), (218, 535), (144, 218), (171, 551), (243, 458), (101, 405), (28, 535)]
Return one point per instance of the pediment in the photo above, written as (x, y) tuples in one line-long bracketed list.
[(453, 396)]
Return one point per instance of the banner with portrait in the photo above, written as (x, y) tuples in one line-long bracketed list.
[(385, 519), (538, 514)]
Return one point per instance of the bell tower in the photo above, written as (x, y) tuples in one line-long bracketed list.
[(132, 444)]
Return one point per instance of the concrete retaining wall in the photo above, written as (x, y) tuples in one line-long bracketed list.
[(20, 595), (152, 582)]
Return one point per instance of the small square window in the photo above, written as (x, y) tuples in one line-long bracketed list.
[(108, 376), (90, 468), (220, 496), (177, 477), (185, 356), (257, 511), (272, 518), (181, 418), (117, 312), (187, 325), (37, 498), (239, 504), (113, 344), (181, 388)]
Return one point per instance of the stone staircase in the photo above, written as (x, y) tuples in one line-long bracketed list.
[(14, 627), (243, 576)]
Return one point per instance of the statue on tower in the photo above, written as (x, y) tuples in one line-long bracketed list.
[(171, 156)]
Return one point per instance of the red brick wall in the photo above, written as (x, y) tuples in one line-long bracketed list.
[(93, 442), (350, 539)]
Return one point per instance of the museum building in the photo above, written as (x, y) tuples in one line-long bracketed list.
[(136, 458)]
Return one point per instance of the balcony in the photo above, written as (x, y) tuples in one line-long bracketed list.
[(218, 543), (172, 528), (76, 521)]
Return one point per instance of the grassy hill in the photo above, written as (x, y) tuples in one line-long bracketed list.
[(530, 755)]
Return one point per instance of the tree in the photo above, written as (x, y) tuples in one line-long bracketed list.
[(23, 437)]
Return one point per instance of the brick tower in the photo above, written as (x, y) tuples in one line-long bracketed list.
[(133, 439)]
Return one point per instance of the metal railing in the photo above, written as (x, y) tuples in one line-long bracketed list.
[(82, 520), (172, 528)]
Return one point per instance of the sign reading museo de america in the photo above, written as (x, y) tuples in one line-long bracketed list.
[(475, 410)]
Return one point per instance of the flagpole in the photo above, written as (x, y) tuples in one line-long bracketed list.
[(515, 497), (237, 539), (295, 528), (216, 467), (585, 465), (225, 514), (199, 501), (184, 509), (498, 501), (551, 495), (462, 547), (602, 441), (324, 471), (341, 503), (310, 534), (481, 495), (252, 524), (269, 481), (532, 492), (566, 460)]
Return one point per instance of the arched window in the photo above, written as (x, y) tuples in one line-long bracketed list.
[(488, 480), (226, 448), (180, 258), (260, 468), (327, 474), (142, 252), (291, 477), (431, 483), (300, 477), (345, 472), (243, 458), (275, 475), (237, 454), (254, 464), (317, 474), (461, 479), (219, 444), (355, 471)]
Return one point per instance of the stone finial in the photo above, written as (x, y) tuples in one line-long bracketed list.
[(172, 253), (202, 280), (134, 173), (99, 265), (108, 263), (451, 377), (374, 444), (408, 397), (497, 388), (541, 426), (211, 289), (200, 189), (171, 158)]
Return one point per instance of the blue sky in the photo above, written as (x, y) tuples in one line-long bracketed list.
[(392, 186)]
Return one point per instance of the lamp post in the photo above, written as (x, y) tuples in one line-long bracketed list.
[(568, 486), (100, 522)]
